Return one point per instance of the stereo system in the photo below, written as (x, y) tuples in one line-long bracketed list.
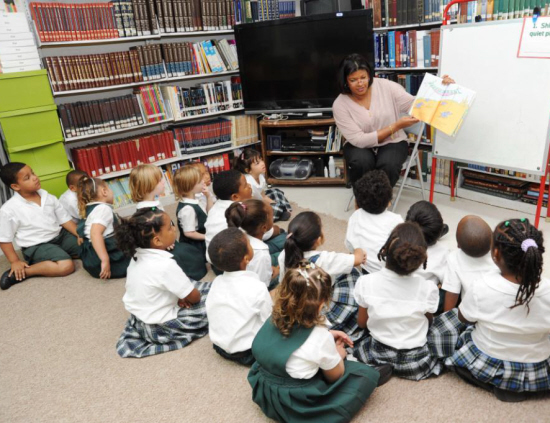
[(291, 168)]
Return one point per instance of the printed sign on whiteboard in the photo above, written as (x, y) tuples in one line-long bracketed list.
[(534, 42)]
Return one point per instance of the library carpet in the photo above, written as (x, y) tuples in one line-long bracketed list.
[(59, 364)]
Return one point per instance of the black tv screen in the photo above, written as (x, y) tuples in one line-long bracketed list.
[(291, 64)]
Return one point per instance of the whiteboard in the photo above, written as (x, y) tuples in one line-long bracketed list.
[(508, 124)]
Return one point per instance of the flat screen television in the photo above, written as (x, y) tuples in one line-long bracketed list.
[(290, 65)]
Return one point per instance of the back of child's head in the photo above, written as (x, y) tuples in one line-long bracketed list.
[(74, 176), (87, 191), (373, 192), (227, 249), (303, 231), (301, 293), (521, 247), (227, 183), (185, 179), (244, 161), (428, 218), (139, 230), (405, 250), (473, 236), (8, 173), (249, 215), (143, 180)]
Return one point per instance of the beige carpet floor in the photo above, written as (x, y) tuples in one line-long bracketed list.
[(58, 364)]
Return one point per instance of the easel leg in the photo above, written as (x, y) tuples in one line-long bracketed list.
[(432, 179), (542, 188), (452, 176)]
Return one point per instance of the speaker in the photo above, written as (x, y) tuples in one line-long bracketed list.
[(294, 168)]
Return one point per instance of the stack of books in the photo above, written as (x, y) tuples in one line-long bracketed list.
[(334, 140), (412, 49), (204, 136), (248, 11), (18, 52), (511, 189)]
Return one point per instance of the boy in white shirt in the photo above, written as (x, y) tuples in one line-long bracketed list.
[(37, 222), (238, 303), (470, 262), (371, 224), (69, 199)]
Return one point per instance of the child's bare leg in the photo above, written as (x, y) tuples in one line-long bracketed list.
[(50, 268)]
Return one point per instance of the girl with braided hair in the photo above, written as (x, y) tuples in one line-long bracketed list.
[(507, 348), (167, 310)]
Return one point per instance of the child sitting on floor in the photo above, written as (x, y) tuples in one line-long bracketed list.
[(507, 348), (371, 224), (206, 197), (300, 374), (250, 163), (470, 261), (69, 199), (100, 254), (37, 222), (167, 309), (238, 303)]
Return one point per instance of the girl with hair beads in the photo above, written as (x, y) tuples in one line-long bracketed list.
[(146, 185), (100, 255), (507, 348), (300, 374), (167, 310), (255, 218), (251, 164), (396, 305)]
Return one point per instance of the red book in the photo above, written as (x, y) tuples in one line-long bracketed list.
[(226, 165), (126, 155), (105, 158), (97, 160), (112, 154)]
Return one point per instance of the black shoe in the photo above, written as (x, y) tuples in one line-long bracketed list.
[(509, 396), (466, 376), (385, 371), (7, 281), (284, 216), (444, 231)]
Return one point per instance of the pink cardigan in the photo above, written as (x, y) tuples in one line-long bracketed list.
[(359, 126)]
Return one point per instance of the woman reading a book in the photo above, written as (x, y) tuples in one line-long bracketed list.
[(367, 113)]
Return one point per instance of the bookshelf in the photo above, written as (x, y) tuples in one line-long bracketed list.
[(406, 69)]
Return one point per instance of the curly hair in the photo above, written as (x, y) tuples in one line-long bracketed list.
[(303, 231), (227, 249), (87, 190), (138, 230), (373, 191), (405, 250), (299, 296), (244, 161), (428, 218), (248, 215)]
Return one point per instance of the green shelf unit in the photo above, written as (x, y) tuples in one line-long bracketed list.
[(25, 90), (54, 183), (46, 160)]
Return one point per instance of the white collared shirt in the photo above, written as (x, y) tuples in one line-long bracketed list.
[(257, 188), (103, 215), (397, 306), (437, 263), (216, 221), (187, 217), (149, 204), (69, 201), (462, 270), (27, 223), (154, 284), (335, 264), (261, 262), (370, 232), (506, 333), (237, 306)]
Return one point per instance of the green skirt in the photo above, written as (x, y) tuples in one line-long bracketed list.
[(191, 260), (92, 263), (313, 400)]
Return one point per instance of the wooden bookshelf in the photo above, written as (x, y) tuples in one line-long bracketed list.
[(303, 153), (312, 180), (409, 26)]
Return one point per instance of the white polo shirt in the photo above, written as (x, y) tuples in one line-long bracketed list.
[(237, 306), (69, 201), (216, 221), (506, 333), (462, 270), (261, 262), (257, 188), (187, 217), (437, 263), (154, 284), (103, 215), (149, 204), (397, 306), (370, 232), (335, 264), (27, 223)]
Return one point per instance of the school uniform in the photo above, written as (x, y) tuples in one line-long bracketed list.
[(36, 228), (216, 221), (191, 218), (462, 270), (280, 205), (287, 382), (203, 200), (237, 306), (506, 347), (149, 205), (157, 324), (370, 232), (436, 265), (102, 214), (261, 262), (334, 264), (399, 331), (69, 201)]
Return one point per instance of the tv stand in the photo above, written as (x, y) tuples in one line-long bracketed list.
[(309, 115)]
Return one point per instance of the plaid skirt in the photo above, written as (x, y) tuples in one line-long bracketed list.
[(142, 340), (507, 375), (416, 363), (280, 205)]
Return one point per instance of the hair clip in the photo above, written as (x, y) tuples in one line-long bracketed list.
[(153, 208), (93, 183), (507, 223), (528, 243), (523, 220), (305, 275), (289, 235), (243, 206), (242, 156)]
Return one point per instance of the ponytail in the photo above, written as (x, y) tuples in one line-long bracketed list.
[(303, 231), (87, 189), (249, 215), (138, 230)]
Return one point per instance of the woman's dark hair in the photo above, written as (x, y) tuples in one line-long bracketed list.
[(405, 249), (523, 260), (227, 183), (350, 64), (248, 215), (227, 249), (244, 161), (303, 231), (428, 218), (373, 192), (138, 230)]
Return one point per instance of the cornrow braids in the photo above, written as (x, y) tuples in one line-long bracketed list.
[(138, 230), (521, 246)]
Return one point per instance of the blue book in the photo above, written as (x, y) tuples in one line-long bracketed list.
[(427, 50), (391, 48), (376, 50)]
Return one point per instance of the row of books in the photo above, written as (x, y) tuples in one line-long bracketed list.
[(18, 52), (531, 196), (497, 171), (214, 164), (442, 171), (244, 129), (204, 136), (411, 82), (512, 189), (121, 189), (408, 12), (104, 158), (247, 11), (493, 10), (411, 49)]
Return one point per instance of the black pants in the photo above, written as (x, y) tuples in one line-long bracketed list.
[(243, 357), (389, 158)]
